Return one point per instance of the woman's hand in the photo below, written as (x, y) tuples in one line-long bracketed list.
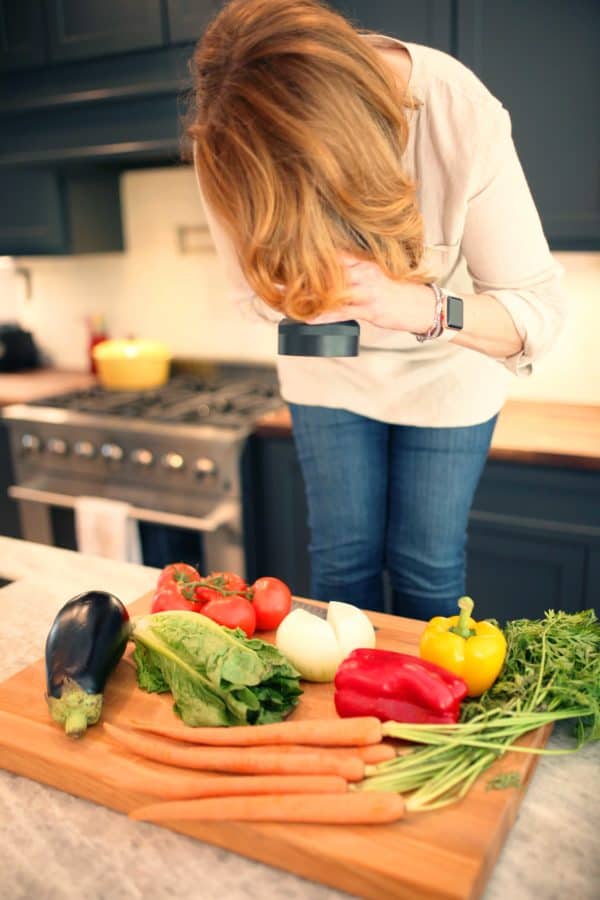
[(375, 298)]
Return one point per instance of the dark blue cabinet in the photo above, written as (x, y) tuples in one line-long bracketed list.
[(31, 212), (80, 29), (278, 517), (542, 59), (515, 571), (9, 515), (43, 211), (425, 22), (22, 34), (189, 18), (102, 80)]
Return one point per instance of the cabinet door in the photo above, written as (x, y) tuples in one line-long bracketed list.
[(514, 572), (278, 520), (31, 213), (44, 212), (9, 516), (22, 35), (542, 59), (426, 22), (592, 587), (189, 18), (79, 30)]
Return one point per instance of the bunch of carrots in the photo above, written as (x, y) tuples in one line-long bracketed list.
[(263, 773)]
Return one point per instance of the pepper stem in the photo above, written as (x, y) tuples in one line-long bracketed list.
[(465, 605)]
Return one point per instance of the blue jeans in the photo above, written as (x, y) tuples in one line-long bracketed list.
[(388, 497)]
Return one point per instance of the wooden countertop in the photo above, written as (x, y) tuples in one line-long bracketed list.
[(23, 387), (548, 434)]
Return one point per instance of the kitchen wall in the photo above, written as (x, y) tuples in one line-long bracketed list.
[(156, 290), (152, 290)]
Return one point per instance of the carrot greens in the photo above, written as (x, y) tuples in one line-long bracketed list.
[(551, 672), (504, 781)]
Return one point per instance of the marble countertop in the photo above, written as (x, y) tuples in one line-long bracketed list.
[(24, 387), (57, 847)]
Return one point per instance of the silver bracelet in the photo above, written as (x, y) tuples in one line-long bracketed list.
[(438, 317)]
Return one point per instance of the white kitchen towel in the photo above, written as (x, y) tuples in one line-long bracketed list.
[(104, 527)]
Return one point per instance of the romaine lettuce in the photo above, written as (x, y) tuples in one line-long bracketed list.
[(216, 676)]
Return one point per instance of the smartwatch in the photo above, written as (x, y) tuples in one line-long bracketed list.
[(454, 312)]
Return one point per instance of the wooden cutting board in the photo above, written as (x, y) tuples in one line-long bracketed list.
[(448, 853)]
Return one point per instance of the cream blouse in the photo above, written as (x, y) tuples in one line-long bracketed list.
[(482, 235)]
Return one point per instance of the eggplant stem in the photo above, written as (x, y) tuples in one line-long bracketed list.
[(75, 708), (76, 723)]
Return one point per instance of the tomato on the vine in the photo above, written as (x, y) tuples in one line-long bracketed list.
[(173, 589), (177, 573), (216, 583), (233, 612), (170, 597), (224, 597), (272, 601)]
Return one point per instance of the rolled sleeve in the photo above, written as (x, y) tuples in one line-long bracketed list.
[(504, 245)]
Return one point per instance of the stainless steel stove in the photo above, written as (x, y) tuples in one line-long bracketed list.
[(173, 453)]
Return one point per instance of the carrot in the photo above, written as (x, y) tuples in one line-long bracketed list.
[(352, 732), (366, 808), (180, 785), (377, 753), (372, 753), (254, 761)]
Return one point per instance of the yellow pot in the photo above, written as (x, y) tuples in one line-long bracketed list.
[(132, 365)]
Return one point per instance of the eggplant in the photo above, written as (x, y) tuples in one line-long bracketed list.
[(87, 639)]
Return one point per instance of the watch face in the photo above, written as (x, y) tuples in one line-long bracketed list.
[(454, 312)]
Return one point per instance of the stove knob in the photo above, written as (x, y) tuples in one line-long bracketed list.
[(30, 443), (205, 469), (84, 449), (141, 457), (173, 461), (57, 446), (112, 452)]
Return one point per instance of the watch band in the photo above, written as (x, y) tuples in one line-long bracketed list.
[(437, 326)]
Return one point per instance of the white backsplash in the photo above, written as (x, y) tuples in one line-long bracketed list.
[(155, 290), (151, 290)]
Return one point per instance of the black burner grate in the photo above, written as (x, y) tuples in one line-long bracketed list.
[(186, 399)]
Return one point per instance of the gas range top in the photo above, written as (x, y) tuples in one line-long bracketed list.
[(223, 400), (174, 447)]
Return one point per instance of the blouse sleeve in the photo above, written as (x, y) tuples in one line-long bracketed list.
[(504, 244), (240, 292)]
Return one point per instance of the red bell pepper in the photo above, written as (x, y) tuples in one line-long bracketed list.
[(397, 686), (351, 703)]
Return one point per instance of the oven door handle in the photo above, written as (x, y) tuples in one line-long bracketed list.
[(227, 512)]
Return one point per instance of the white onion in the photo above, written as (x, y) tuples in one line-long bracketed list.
[(309, 643), (353, 629), (315, 646)]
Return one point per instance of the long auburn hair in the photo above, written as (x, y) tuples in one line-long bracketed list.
[(299, 129)]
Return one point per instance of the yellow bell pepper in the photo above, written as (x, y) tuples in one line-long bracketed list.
[(473, 650)]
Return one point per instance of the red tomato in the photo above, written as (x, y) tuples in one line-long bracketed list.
[(178, 573), (272, 602), (170, 597), (233, 612), (222, 581)]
